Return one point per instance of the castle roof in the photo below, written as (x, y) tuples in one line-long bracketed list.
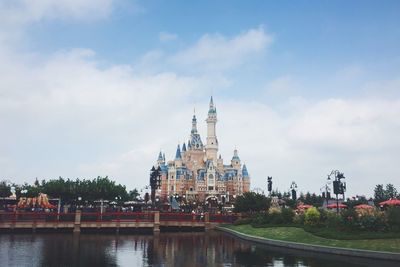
[(235, 155), (178, 153), (245, 173)]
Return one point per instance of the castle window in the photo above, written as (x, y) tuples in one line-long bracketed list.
[(210, 188)]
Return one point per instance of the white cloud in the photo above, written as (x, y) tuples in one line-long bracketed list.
[(217, 52), (65, 115), (167, 37), (25, 11)]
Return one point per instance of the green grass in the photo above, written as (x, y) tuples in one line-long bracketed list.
[(295, 234)]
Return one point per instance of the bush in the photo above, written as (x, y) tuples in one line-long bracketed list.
[(243, 221), (311, 216), (349, 219), (333, 220), (299, 219), (371, 222), (287, 215), (393, 218)]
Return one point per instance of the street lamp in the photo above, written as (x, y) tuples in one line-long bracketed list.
[(339, 187), (293, 188), (269, 181)]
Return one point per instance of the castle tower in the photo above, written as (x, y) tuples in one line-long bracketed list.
[(160, 159), (212, 141), (178, 157), (195, 142), (235, 162)]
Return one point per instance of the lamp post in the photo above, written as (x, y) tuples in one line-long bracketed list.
[(293, 188), (155, 182), (339, 187), (269, 181)]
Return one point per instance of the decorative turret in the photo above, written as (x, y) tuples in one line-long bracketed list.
[(184, 147), (235, 160), (245, 173), (160, 160), (178, 153), (212, 141), (195, 140), (178, 157)]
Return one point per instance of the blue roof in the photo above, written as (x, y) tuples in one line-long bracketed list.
[(178, 153), (245, 173), (235, 155)]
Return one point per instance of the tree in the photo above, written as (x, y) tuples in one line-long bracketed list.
[(391, 191), (379, 194), (251, 202), (133, 194), (5, 189)]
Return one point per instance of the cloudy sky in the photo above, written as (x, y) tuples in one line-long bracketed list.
[(98, 87)]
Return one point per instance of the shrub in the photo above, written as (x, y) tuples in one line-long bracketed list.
[(349, 219), (371, 222), (243, 221), (287, 215), (333, 220), (393, 218), (299, 219), (311, 216)]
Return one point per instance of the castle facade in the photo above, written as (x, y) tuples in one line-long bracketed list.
[(197, 173)]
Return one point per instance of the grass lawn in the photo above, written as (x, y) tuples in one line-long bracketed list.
[(295, 234)]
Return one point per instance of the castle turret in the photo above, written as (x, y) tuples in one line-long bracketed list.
[(212, 141), (195, 140), (160, 160), (235, 162), (178, 157)]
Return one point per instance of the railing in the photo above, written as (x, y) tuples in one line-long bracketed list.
[(222, 218), (12, 217), (117, 217), (181, 217), (87, 217)]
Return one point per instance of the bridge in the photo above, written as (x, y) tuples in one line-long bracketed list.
[(110, 220)]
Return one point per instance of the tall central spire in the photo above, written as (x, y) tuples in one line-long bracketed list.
[(212, 141), (194, 124)]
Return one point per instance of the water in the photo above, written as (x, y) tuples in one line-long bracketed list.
[(167, 249)]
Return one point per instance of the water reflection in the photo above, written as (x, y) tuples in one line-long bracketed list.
[(167, 249)]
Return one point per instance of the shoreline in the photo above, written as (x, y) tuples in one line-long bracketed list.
[(371, 254)]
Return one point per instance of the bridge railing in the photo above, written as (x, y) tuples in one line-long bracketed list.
[(117, 216), (181, 217), (223, 218), (12, 217)]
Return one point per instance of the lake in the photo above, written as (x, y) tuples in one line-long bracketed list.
[(166, 249)]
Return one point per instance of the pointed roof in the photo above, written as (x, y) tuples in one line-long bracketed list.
[(212, 108), (160, 157), (184, 147), (194, 124), (163, 157), (178, 153), (245, 173), (235, 155)]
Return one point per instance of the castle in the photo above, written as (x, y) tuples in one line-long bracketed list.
[(197, 173)]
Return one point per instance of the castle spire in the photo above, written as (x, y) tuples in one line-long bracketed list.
[(194, 124), (178, 153)]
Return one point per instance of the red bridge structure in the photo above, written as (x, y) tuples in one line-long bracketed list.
[(111, 220)]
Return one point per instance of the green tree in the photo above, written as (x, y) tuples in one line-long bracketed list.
[(311, 216), (251, 202), (391, 191), (379, 194), (5, 189), (133, 194)]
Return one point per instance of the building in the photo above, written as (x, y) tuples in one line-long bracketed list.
[(197, 173)]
